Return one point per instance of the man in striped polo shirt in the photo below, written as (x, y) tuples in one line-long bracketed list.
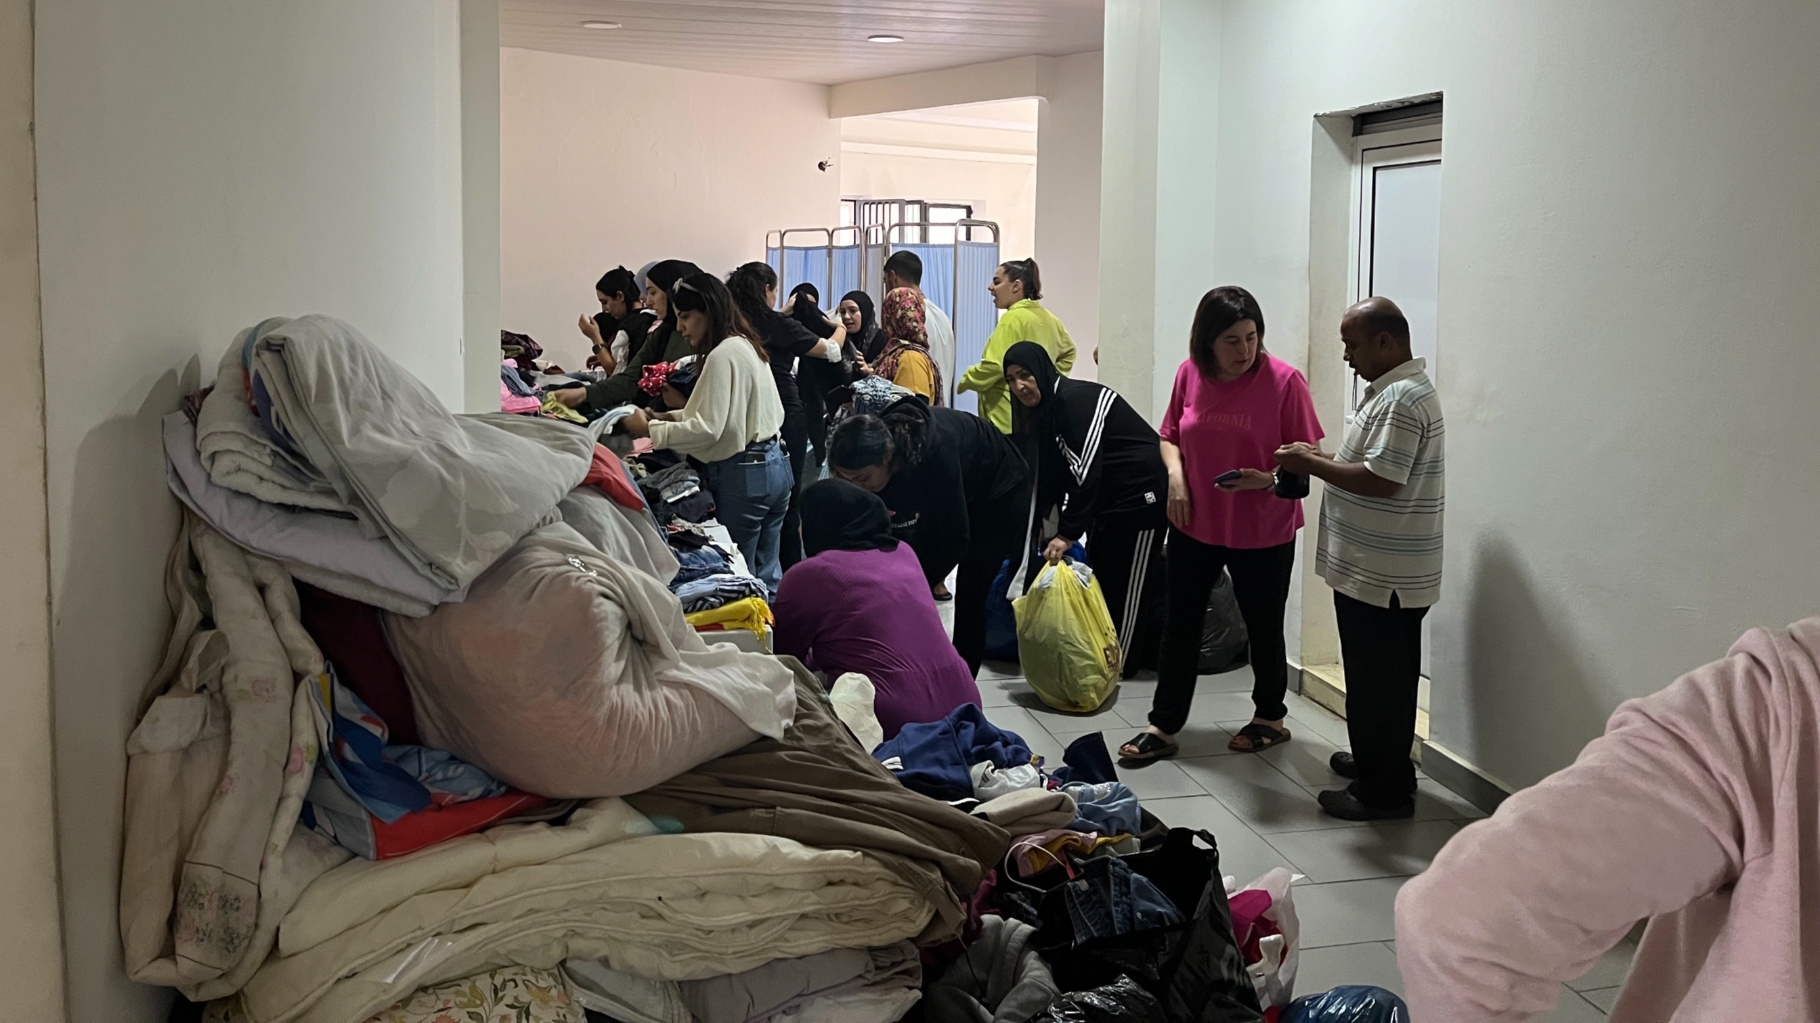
[(1380, 550)]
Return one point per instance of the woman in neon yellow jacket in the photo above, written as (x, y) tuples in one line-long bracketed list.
[(1016, 286)]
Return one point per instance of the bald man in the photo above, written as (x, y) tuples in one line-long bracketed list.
[(1380, 550)]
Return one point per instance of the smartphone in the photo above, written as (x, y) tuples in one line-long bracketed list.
[(1227, 477)]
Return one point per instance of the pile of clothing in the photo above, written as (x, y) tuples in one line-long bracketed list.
[(527, 380), (717, 589), (437, 735), (417, 658)]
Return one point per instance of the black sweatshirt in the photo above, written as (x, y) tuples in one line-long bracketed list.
[(1110, 464), (967, 500)]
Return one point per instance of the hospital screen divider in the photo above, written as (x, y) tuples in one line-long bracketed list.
[(955, 275), (974, 315)]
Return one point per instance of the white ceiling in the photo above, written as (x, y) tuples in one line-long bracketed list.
[(821, 41)]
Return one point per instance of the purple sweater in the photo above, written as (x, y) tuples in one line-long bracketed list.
[(870, 612)]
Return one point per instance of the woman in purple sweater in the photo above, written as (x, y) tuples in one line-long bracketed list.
[(859, 603)]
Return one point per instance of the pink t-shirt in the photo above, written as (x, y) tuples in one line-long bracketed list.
[(1239, 424)]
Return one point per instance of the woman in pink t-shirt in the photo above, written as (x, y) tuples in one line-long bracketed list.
[(1232, 407)]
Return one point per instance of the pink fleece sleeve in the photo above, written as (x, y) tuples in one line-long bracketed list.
[(1663, 809)]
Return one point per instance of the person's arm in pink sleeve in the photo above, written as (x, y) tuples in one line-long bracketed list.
[(1667, 807), (1299, 422), (1171, 427)]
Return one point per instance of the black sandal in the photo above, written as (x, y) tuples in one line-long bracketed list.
[(1259, 737), (1149, 746)]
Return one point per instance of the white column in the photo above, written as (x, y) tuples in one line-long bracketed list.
[(1159, 151), (480, 204)]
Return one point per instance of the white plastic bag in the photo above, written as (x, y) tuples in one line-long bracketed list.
[(1274, 971)]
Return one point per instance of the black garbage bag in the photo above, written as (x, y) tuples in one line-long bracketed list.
[(1353, 1003), (1194, 968), (1121, 1001), (1224, 641)]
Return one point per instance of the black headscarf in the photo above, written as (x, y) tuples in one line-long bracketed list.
[(869, 339), (803, 309), (1046, 417), (838, 516), (1036, 430)]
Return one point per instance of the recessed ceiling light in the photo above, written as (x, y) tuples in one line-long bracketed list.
[(602, 25), (884, 39)]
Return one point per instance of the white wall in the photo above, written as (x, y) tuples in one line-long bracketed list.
[(1630, 233), (606, 163), (31, 946), (202, 165), (1068, 201), (1067, 214), (993, 168)]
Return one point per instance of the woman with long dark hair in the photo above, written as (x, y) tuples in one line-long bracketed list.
[(860, 603), (662, 343), (1099, 462), (730, 423), (620, 327), (1233, 406), (754, 289), (959, 494)]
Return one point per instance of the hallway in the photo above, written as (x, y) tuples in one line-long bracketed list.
[(1262, 810)]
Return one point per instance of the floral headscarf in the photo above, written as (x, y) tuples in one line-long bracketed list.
[(906, 326)]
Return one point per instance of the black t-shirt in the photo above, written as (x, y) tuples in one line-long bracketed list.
[(786, 341)]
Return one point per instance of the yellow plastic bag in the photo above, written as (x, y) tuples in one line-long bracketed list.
[(1065, 639)]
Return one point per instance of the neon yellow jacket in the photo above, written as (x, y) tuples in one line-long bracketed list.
[(1025, 321)]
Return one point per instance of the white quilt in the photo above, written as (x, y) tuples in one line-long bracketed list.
[(670, 907)]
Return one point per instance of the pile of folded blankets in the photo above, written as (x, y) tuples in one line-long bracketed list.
[(433, 739)]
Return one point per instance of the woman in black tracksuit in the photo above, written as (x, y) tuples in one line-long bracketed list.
[(959, 495), (1100, 462)]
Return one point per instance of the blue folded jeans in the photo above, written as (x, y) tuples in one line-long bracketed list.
[(752, 491), (1109, 898)]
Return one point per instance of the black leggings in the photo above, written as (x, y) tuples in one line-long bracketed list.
[(1260, 583), (795, 436), (1127, 558)]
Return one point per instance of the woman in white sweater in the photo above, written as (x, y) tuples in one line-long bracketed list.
[(730, 424)]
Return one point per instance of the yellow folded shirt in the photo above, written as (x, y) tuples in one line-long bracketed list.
[(751, 614)]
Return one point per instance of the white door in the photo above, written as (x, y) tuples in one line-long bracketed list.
[(1397, 255)]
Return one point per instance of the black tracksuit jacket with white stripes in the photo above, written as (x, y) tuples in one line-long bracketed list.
[(1110, 462)]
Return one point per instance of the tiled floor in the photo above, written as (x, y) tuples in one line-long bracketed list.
[(1262, 809)]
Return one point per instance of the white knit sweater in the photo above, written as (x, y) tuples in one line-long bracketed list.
[(734, 404)]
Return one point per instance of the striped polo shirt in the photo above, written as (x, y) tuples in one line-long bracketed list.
[(1372, 547)]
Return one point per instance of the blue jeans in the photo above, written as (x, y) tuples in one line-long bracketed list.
[(752, 493), (1109, 898)]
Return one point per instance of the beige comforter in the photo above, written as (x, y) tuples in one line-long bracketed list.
[(670, 907)]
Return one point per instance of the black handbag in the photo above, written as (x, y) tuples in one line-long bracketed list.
[(1291, 486)]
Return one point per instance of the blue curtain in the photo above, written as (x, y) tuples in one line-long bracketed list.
[(974, 314), (844, 276), (808, 264)]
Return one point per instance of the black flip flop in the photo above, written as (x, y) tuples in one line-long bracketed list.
[(1150, 746), (1262, 737)]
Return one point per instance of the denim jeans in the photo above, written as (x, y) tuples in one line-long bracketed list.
[(1110, 898), (752, 492)]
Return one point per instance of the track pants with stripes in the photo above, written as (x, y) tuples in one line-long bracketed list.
[(1127, 558)]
